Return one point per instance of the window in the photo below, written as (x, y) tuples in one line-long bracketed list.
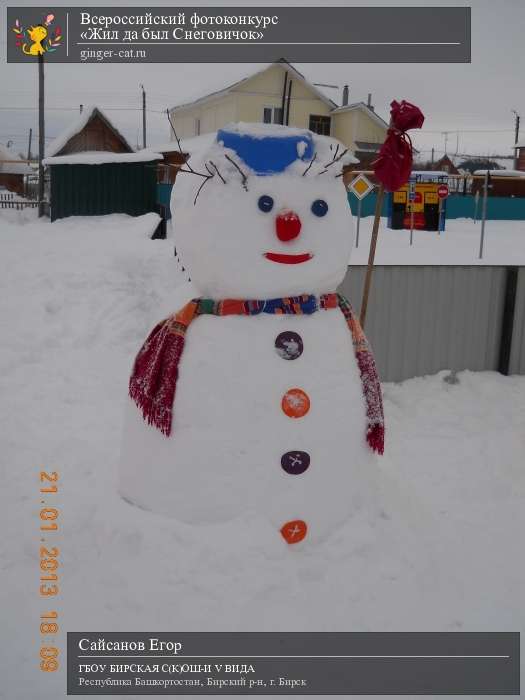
[(320, 124), (272, 115)]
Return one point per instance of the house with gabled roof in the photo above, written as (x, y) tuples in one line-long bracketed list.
[(94, 171), (280, 94), (13, 170), (90, 131)]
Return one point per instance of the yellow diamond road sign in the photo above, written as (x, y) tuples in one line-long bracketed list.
[(360, 186)]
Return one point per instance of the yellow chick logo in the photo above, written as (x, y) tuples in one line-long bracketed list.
[(37, 35), (37, 40)]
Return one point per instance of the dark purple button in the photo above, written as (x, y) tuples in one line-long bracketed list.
[(295, 462), (289, 345)]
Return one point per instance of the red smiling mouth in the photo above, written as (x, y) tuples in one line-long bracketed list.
[(287, 259)]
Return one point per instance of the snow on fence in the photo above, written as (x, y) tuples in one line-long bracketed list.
[(425, 318)]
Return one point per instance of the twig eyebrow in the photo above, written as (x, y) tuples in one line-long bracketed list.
[(243, 175)]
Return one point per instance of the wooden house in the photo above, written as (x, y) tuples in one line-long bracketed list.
[(13, 171), (95, 171), (447, 165)]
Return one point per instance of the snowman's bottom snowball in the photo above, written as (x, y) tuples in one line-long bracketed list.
[(223, 458)]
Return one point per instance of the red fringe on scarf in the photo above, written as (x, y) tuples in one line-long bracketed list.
[(154, 377)]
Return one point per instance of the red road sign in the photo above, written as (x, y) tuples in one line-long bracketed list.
[(443, 191)]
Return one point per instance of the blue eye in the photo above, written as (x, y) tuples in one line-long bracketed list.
[(265, 203), (319, 207)]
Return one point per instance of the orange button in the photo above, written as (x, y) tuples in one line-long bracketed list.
[(295, 403), (294, 531)]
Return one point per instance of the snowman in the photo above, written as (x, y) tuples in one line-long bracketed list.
[(259, 395)]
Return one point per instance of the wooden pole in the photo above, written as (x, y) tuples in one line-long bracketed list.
[(359, 203), (516, 137), (41, 134), (483, 214), (283, 101), (287, 121), (371, 255), (29, 145)]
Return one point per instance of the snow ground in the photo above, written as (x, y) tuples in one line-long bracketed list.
[(443, 552), (504, 244)]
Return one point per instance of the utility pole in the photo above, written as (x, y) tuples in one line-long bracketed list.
[(143, 117), (29, 144), (287, 120), (432, 158), (445, 134), (516, 136), (486, 186), (283, 100), (41, 134)]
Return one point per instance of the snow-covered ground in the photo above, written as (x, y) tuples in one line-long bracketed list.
[(504, 244), (442, 551)]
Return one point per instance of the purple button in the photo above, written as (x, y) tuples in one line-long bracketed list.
[(295, 462), (289, 345)]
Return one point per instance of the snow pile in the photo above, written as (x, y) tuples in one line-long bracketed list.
[(443, 550), (100, 157), (458, 245)]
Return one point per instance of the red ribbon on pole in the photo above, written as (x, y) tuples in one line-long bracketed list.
[(394, 163)]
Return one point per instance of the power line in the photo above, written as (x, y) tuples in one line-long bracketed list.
[(475, 156), (75, 109), (466, 131)]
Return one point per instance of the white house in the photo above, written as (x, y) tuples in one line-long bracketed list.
[(280, 94)]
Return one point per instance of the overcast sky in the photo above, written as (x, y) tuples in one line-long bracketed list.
[(473, 99)]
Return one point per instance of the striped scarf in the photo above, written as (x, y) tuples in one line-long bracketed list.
[(155, 372)]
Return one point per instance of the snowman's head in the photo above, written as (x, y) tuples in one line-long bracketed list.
[(264, 214)]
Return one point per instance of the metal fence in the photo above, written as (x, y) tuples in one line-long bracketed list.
[(517, 350), (425, 318), (8, 201)]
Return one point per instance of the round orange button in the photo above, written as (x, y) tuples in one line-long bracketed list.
[(294, 531), (295, 403)]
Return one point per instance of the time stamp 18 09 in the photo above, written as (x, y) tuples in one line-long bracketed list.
[(48, 572)]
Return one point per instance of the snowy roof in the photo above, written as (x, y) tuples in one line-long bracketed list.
[(18, 168), (167, 147), (100, 157), (76, 127), (193, 146), (231, 88), (501, 173), (429, 174)]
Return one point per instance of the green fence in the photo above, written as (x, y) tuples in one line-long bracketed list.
[(107, 188), (458, 206)]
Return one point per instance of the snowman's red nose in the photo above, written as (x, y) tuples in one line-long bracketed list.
[(287, 225)]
